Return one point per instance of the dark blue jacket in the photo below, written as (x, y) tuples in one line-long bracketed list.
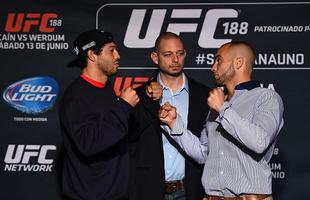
[(147, 158)]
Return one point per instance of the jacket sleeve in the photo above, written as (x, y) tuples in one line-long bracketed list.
[(143, 114), (95, 132)]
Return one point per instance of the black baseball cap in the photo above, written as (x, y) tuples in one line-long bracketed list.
[(89, 40)]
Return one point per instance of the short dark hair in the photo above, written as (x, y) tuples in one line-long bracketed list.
[(82, 62), (165, 35)]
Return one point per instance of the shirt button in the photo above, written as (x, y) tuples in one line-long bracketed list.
[(170, 156), (222, 153), (221, 172)]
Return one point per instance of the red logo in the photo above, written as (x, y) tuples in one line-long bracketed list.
[(124, 82), (21, 22)]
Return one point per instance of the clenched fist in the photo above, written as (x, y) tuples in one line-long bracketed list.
[(154, 90), (216, 99), (130, 96), (167, 114)]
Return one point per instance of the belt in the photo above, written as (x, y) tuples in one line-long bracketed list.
[(243, 197), (173, 186)]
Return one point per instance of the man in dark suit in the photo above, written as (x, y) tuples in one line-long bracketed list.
[(160, 169)]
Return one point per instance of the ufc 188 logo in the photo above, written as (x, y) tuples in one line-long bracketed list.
[(25, 22), (124, 82), (29, 158), (148, 20), (206, 37)]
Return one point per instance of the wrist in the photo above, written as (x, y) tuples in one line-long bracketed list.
[(171, 124)]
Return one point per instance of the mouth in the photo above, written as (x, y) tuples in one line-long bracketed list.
[(175, 67)]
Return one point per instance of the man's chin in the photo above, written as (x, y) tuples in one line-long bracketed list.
[(218, 82), (176, 74), (112, 72)]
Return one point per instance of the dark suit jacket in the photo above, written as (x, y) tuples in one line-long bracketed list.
[(146, 155)]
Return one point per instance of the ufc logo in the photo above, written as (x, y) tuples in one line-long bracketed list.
[(156, 22), (22, 153), (124, 82), (20, 22)]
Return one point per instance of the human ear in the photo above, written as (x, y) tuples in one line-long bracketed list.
[(154, 57), (91, 55), (238, 62)]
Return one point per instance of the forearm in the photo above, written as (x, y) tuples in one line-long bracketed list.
[(193, 146)]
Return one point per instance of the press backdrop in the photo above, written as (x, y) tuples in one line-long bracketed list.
[(36, 43)]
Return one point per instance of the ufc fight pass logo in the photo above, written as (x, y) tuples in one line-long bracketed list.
[(26, 22), (144, 22)]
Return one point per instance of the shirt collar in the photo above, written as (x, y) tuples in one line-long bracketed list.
[(248, 85), (92, 81), (184, 86)]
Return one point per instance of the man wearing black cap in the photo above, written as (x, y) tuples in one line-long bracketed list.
[(94, 123)]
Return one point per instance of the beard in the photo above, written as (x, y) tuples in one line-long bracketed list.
[(172, 73), (109, 71), (108, 68), (175, 74), (226, 76)]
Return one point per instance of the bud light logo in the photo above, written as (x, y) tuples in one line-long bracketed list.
[(33, 95)]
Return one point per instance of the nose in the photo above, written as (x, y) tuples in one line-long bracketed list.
[(175, 58), (213, 68), (117, 55)]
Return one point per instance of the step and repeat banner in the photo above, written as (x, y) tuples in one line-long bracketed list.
[(36, 44)]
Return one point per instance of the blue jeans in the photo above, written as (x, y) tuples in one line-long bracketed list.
[(177, 195)]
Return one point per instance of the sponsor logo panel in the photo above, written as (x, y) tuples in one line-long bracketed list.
[(206, 26), (29, 158), (32, 96), (33, 31)]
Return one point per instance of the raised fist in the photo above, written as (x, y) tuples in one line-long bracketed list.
[(130, 96), (216, 98), (154, 90), (167, 114)]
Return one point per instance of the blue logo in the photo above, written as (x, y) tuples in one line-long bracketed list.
[(33, 95)]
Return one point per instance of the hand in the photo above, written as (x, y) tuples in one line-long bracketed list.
[(167, 114), (154, 90), (130, 96), (216, 99)]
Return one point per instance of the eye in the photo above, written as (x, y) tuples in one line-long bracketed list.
[(167, 54), (112, 50), (181, 53), (218, 59)]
